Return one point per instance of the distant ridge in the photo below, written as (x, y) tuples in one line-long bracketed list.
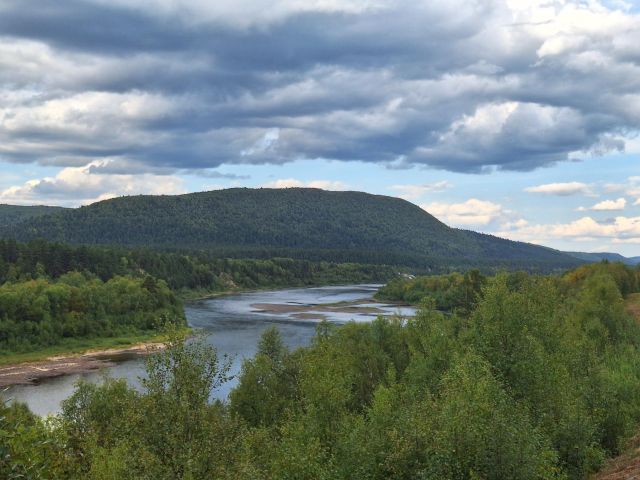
[(599, 256), (294, 222)]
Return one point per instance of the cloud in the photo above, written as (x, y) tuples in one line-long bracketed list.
[(608, 205), (618, 230), (413, 192), (74, 186), (194, 85), (520, 223), (471, 212), (561, 189), (215, 174), (629, 188), (293, 183)]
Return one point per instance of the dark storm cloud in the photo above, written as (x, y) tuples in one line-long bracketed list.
[(87, 27), (463, 86)]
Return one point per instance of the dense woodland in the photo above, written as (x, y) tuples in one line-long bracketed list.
[(53, 293), (539, 379), (186, 273), (40, 313), (14, 214), (308, 224), (448, 292), (461, 292)]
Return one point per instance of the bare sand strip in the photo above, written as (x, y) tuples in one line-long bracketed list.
[(279, 308), (33, 372)]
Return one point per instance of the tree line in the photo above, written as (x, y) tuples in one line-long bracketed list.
[(460, 292), (184, 272), (52, 293)]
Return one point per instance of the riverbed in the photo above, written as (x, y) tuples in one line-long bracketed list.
[(233, 324)]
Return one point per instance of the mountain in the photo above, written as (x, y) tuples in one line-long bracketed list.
[(15, 214), (599, 256), (295, 222)]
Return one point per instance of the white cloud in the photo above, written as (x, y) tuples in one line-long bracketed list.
[(74, 186), (294, 183), (520, 223), (561, 189), (626, 240), (629, 188), (608, 205), (619, 230), (470, 212), (413, 192)]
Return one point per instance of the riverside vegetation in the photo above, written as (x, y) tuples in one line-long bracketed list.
[(56, 298), (529, 377)]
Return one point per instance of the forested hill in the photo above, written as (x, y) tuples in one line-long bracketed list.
[(14, 214), (297, 222), (611, 257)]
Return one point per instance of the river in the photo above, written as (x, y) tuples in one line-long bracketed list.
[(233, 324)]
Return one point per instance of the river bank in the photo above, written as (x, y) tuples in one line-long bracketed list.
[(233, 325), (29, 373)]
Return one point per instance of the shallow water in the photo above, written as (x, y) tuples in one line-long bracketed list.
[(233, 326)]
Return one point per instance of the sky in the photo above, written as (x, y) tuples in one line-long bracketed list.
[(510, 117)]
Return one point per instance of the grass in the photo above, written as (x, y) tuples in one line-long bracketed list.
[(77, 346)]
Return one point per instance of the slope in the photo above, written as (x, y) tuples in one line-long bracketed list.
[(297, 222), (599, 256), (14, 214)]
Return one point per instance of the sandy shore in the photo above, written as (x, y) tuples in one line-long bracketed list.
[(32, 372), (315, 311)]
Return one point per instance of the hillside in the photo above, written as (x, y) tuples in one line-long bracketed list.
[(300, 223), (14, 214), (599, 256)]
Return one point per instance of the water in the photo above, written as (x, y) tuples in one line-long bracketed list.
[(233, 326)]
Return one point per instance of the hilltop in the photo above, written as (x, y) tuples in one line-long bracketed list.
[(296, 222)]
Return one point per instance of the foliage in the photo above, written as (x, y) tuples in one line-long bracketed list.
[(188, 274), (449, 292), (42, 313), (14, 214), (538, 379), (52, 294), (309, 224)]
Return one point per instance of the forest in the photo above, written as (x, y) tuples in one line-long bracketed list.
[(460, 292), (40, 313), (14, 214), (537, 378), (449, 292), (301, 223), (186, 273), (53, 294)]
